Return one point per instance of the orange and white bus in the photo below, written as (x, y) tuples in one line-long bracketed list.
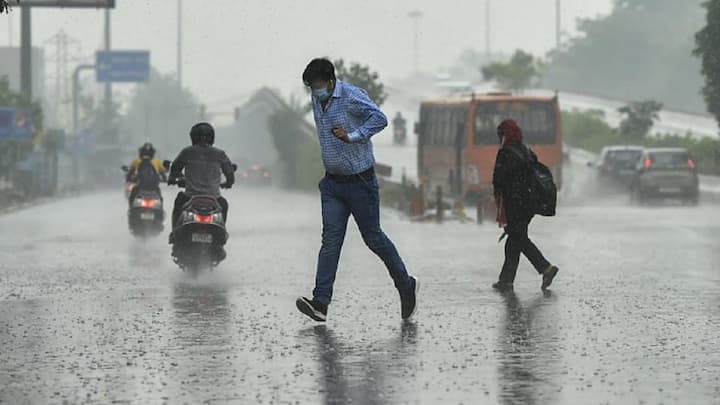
[(458, 143)]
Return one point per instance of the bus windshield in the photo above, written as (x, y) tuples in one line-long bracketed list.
[(536, 118)]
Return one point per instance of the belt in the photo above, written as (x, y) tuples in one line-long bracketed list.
[(367, 175)]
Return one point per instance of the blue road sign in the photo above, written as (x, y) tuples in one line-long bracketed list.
[(15, 124), (122, 66)]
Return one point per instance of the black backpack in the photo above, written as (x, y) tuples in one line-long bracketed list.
[(147, 176), (543, 191)]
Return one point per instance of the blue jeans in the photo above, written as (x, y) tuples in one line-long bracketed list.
[(362, 200)]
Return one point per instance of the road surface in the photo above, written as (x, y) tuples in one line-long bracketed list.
[(91, 315)]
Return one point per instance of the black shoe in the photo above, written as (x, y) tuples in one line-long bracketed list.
[(503, 286), (408, 299), (548, 276), (313, 309)]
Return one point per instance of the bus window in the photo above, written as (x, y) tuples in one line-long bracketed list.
[(436, 127), (441, 121), (449, 130), (460, 123), (431, 126), (537, 120)]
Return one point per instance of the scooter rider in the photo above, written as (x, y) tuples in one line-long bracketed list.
[(146, 171), (202, 164)]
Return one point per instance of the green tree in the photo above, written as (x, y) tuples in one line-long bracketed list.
[(363, 77), (641, 50), (588, 130), (517, 74), (161, 112), (298, 151), (12, 152), (10, 98), (639, 118), (5, 6), (707, 42)]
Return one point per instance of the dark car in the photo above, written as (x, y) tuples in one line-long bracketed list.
[(666, 173), (256, 175), (617, 163)]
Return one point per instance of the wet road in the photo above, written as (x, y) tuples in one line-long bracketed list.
[(91, 315)]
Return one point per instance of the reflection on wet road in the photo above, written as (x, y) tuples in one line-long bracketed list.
[(528, 353), (353, 375)]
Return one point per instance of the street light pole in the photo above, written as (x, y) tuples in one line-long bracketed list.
[(415, 16), (25, 51), (108, 85), (11, 39), (558, 23), (179, 43), (487, 30)]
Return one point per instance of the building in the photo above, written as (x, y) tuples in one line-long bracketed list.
[(10, 67)]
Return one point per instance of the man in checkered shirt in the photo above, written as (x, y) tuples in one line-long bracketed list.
[(346, 119)]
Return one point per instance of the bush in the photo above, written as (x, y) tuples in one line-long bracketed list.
[(588, 130), (310, 167)]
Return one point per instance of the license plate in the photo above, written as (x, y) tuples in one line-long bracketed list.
[(202, 237), (147, 216), (670, 190)]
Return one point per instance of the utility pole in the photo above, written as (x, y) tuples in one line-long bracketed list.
[(25, 51), (487, 30), (26, 38), (558, 24), (108, 85), (179, 43), (415, 16), (11, 38)]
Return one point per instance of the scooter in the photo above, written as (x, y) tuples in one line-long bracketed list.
[(145, 212), (199, 234)]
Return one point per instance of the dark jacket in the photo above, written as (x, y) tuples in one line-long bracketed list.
[(203, 166), (511, 181)]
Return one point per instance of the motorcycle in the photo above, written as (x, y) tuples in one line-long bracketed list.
[(145, 212), (129, 184), (399, 130), (199, 234), (399, 135)]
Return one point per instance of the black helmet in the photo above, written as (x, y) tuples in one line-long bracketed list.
[(202, 134), (147, 150)]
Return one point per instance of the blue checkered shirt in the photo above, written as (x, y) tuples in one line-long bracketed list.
[(349, 107)]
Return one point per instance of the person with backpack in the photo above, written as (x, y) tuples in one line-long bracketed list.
[(145, 171), (523, 187)]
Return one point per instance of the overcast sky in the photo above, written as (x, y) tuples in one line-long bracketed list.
[(235, 46)]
